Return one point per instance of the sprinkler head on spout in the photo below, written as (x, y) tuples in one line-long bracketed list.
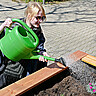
[(61, 60)]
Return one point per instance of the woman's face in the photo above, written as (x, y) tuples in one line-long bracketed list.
[(36, 20)]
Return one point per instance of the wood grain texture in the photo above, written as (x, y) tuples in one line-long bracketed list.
[(78, 55), (90, 60)]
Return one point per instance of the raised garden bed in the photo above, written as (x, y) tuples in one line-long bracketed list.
[(70, 81), (63, 84)]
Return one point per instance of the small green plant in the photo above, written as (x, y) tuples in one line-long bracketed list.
[(91, 87), (27, 0), (61, 95)]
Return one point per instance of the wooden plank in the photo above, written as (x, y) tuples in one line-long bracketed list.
[(32, 80), (91, 57), (77, 55), (5, 92), (90, 60)]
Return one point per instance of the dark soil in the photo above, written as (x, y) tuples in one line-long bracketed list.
[(67, 87), (63, 84)]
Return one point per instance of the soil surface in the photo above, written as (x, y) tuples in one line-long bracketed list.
[(67, 87)]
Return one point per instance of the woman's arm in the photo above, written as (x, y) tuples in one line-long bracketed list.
[(7, 23), (41, 48)]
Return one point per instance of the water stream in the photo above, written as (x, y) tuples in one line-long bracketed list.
[(82, 71)]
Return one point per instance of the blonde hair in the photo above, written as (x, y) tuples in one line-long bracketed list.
[(33, 8)]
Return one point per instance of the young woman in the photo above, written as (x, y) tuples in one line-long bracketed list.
[(11, 71)]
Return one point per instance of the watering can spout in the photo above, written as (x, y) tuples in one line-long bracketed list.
[(34, 55)]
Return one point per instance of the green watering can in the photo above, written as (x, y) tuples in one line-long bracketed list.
[(20, 43)]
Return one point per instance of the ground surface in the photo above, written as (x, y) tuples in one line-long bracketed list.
[(70, 26)]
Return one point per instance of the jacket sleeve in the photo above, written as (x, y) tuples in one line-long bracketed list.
[(41, 44)]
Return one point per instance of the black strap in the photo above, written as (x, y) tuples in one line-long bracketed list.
[(1, 57)]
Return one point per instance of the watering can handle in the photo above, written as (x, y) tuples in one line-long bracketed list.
[(28, 28)]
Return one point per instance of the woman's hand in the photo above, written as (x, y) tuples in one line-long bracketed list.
[(42, 58), (7, 22)]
